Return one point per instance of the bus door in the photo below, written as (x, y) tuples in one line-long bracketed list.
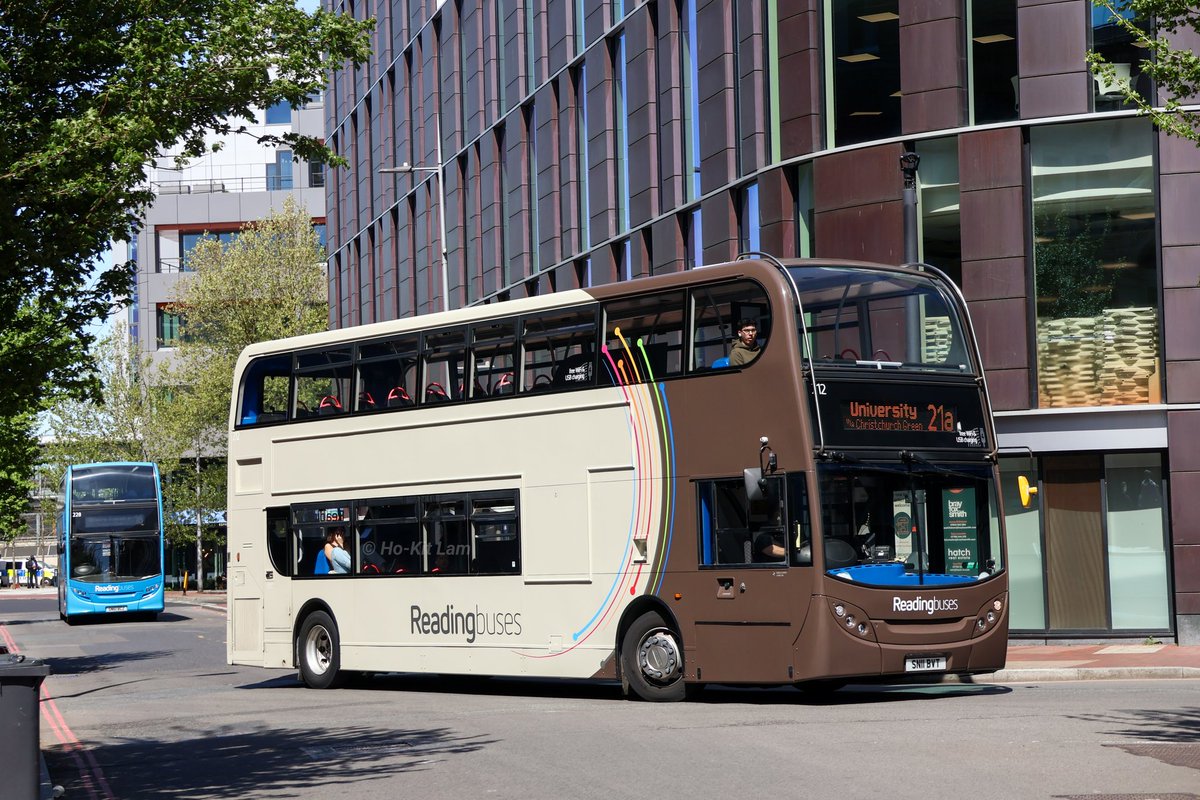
[(750, 604), (260, 595)]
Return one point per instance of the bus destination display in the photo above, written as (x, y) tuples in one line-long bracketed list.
[(906, 417), (901, 414)]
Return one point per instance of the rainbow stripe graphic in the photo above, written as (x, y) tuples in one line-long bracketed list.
[(652, 515)]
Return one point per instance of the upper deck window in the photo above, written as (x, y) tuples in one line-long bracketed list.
[(880, 320), (112, 483), (644, 338)]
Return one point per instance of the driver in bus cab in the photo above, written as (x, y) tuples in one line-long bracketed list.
[(746, 348)]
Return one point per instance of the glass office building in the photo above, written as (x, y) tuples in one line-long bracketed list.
[(563, 143)]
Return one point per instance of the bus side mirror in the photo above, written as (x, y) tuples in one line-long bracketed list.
[(755, 484), (1027, 492)]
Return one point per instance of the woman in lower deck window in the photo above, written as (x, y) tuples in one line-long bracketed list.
[(335, 551)]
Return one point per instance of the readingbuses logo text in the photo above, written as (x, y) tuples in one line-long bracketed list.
[(925, 605), (468, 624)]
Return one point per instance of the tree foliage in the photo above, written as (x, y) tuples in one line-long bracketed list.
[(126, 421), (1154, 26), (90, 92), (267, 283)]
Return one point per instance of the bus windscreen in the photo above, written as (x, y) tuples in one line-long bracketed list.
[(114, 483), (880, 320)]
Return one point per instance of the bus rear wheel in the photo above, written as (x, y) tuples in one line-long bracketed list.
[(318, 651), (652, 660)]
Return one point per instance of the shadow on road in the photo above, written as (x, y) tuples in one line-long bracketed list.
[(80, 665), (1152, 724), (853, 694), (257, 762)]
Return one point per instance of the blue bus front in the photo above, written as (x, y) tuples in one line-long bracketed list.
[(111, 540)]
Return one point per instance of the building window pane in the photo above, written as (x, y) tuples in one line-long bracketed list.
[(690, 72), (864, 60), (749, 226), (581, 101), (802, 190), (169, 323), (279, 174), (1025, 563), (316, 174), (1116, 45), (1095, 264), (941, 237), (1137, 557), (621, 130), (279, 114), (992, 60), (188, 242)]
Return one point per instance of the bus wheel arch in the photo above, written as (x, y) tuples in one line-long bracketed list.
[(318, 647), (650, 653)]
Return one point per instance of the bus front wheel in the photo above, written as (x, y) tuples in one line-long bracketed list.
[(318, 651), (652, 659)]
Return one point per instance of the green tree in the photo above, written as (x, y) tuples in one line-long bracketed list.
[(17, 435), (125, 423), (267, 283), (1154, 26), (90, 92)]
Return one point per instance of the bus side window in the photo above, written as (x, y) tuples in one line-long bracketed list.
[(559, 350), (492, 350), (389, 538), (723, 522), (387, 374), (645, 338), (494, 527), (323, 382), (277, 540), (736, 531), (264, 395), (716, 311), (444, 355)]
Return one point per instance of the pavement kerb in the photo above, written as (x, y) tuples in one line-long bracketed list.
[(1042, 675)]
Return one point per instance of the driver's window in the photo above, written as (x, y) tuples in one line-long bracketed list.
[(737, 531)]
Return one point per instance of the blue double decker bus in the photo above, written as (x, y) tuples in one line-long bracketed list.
[(110, 541)]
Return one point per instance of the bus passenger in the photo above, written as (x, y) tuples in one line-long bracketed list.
[(746, 348), (335, 551)]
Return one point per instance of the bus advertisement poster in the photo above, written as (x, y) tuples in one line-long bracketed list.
[(958, 524)]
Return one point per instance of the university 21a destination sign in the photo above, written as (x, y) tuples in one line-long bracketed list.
[(901, 415), (860, 415)]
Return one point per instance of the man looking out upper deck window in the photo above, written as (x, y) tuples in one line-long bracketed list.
[(746, 348)]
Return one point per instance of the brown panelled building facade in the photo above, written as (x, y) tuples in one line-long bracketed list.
[(565, 143)]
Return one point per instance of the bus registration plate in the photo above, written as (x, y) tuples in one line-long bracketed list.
[(924, 663), (111, 609)]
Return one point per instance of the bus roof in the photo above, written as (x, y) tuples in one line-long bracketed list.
[(564, 298)]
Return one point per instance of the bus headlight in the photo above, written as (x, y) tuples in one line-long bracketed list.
[(989, 615), (854, 620)]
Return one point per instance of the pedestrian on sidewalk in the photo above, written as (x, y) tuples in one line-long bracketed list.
[(31, 568)]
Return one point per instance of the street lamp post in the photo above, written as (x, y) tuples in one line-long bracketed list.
[(407, 169)]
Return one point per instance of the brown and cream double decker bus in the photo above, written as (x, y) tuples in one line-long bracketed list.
[(750, 473)]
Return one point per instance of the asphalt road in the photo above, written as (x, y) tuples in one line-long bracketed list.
[(151, 710)]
